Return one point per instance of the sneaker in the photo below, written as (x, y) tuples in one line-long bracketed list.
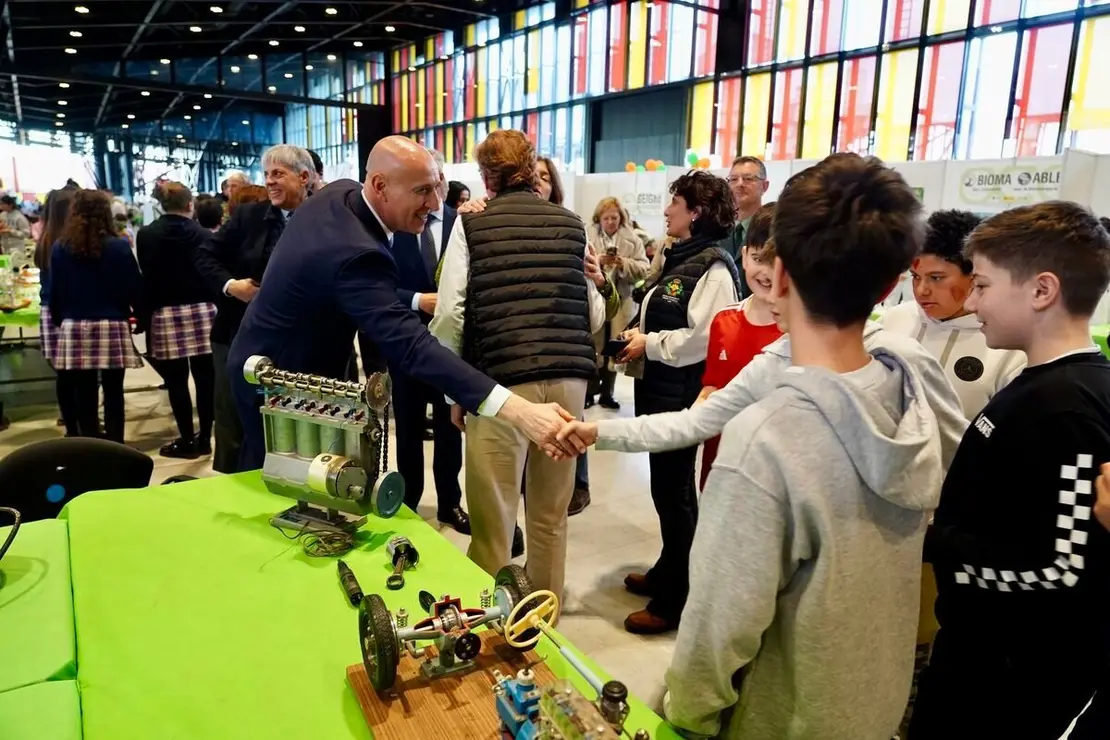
[(579, 501), (202, 446), (179, 448), (518, 543), (608, 402)]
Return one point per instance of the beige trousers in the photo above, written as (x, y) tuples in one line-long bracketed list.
[(498, 458)]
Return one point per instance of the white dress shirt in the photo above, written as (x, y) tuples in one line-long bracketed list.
[(682, 347), (447, 326), (435, 228)]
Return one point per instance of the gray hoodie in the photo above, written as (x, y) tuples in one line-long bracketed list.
[(805, 569), (678, 429)]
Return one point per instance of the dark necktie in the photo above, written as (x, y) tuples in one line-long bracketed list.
[(428, 245)]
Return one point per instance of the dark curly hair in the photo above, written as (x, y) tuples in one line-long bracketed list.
[(89, 224), (759, 228), (945, 235), (710, 197)]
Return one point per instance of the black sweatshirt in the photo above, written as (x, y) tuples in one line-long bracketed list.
[(1021, 563)]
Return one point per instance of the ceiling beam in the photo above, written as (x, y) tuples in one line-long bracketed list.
[(150, 14), (6, 14), (453, 9)]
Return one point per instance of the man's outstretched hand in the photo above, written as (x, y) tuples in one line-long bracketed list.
[(540, 422), (578, 434)]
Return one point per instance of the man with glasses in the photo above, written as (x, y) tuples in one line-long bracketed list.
[(747, 180)]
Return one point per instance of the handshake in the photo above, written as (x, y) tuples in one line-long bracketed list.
[(549, 425)]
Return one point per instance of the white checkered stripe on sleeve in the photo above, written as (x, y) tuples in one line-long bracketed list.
[(1075, 500)]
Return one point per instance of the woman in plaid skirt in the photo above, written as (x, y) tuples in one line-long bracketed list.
[(54, 213), (180, 319), (95, 286)]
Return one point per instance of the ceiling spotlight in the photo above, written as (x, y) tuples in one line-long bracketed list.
[(195, 29), (187, 117), (412, 69), (63, 102), (164, 61), (331, 11), (309, 67), (75, 34), (81, 9), (145, 93), (235, 143), (274, 42), (331, 57), (208, 96), (60, 115), (252, 57), (234, 69), (357, 44), (288, 75), (154, 72), (181, 136), (58, 123), (390, 29), (130, 116), (196, 107), (298, 29), (71, 50), (215, 9), (271, 88), (125, 125), (246, 123), (63, 85), (443, 57)]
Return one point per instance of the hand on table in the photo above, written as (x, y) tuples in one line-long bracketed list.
[(1102, 500), (243, 289), (580, 434), (458, 417), (474, 205), (428, 303), (634, 350), (540, 422)]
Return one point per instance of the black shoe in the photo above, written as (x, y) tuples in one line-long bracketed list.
[(589, 402), (518, 543), (179, 448), (608, 402), (457, 519), (428, 436), (579, 501), (202, 446)]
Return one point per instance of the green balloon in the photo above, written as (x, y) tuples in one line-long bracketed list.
[(640, 168), (661, 168), (692, 158)]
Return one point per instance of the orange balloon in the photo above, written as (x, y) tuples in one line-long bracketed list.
[(703, 163), (630, 167), (651, 165)]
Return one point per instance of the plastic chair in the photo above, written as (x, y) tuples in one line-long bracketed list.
[(40, 478)]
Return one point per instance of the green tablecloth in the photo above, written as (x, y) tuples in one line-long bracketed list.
[(196, 619), (24, 317), (45, 711), (36, 609), (1099, 333)]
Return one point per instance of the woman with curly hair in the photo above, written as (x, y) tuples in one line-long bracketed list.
[(95, 287), (667, 341)]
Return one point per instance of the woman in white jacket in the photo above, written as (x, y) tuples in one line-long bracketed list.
[(625, 261)]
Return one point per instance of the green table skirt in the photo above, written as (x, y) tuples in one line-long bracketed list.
[(36, 608), (45, 711), (197, 619), (25, 317)]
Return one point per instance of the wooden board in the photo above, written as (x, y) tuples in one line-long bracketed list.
[(458, 707)]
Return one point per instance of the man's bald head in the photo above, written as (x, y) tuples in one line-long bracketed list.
[(401, 180)]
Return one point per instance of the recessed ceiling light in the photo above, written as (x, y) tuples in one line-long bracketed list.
[(75, 34), (154, 72), (390, 29), (181, 136), (215, 9), (412, 69), (271, 88), (145, 93), (187, 117), (288, 75), (196, 107), (298, 29), (60, 115), (195, 29), (357, 44), (81, 9), (58, 123), (331, 11), (235, 143), (164, 61), (208, 96), (274, 42), (63, 102), (246, 123), (331, 57), (252, 57), (309, 67), (63, 85), (130, 116), (71, 51), (235, 69), (443, 57), (125, 125)]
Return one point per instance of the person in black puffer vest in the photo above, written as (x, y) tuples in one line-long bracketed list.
[(518, 300), (669, 337)]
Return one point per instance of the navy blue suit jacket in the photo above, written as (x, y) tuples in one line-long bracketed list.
[(332, 273), (414, 274)]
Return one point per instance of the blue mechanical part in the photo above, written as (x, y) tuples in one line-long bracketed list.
[(518, 705)]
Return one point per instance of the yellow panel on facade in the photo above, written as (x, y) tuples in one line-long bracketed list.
[(581, 3), (396, 59), (429, 48), (533, 83), (701, 117), (948, 15), (421, 98), (472, 34), (492, 125), (757, 103), (465, 156), (896, 105), (1090, 99), (519, 20), (820, 111), (795, 13), (439, 94), (405, 102), (480, 83), (637, 43)]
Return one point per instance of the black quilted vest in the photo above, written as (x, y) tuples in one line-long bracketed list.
[(676, 388), (527, 316)]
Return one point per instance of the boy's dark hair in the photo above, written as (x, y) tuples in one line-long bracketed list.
[(710, 195), (845, 229), (1105, 223), (317, 163), (209, 212), (759, 228), (1056, 236), (946, 233)]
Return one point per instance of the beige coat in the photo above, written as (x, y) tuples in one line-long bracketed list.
[(635, 268)]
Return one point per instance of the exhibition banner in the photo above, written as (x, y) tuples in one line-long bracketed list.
[(1006, 186)]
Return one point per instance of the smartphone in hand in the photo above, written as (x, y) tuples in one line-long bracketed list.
[(614, 347)]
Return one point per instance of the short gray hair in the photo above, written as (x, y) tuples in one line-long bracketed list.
[(237, 175), (293, 157), (440, 161), (749, 159)]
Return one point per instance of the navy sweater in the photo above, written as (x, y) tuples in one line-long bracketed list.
[(108, 287)]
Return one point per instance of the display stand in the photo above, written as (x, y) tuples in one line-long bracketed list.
[(457, 707)]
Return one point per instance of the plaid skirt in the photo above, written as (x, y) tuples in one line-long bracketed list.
[(181, 331), (95, 344), (48, 334)]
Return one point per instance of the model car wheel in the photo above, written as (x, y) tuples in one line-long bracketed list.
[(517, 585), (379, 642)]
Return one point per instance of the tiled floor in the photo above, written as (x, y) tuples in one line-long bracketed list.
[(619, 532)]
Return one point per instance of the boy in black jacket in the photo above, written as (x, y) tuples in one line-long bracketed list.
[(1022, 567)]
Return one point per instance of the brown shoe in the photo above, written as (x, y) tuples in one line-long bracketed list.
[(638, 583), (644, 622)]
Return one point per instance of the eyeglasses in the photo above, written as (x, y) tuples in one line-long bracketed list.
[(732, 179)]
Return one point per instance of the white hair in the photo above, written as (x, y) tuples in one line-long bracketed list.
[(293, 157), (440, 161), (237, 176)]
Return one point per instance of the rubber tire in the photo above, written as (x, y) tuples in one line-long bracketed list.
[(378, 640), (516, 582)]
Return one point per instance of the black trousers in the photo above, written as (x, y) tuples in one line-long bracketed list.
[(1029, 688), (81, 389), (65, 406), (676, 501), (228, 427), (176, 375), (410, 403)]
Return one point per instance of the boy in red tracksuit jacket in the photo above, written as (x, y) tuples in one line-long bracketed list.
[(740, 332)]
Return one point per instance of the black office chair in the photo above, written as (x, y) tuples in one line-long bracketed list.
[(40, 478)]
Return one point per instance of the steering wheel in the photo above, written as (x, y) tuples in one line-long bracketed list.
[(539, 616)]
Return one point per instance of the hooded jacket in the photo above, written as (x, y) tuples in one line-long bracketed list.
[(675, 430), (805, 569)]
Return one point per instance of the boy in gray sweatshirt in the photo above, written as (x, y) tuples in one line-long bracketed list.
[(805, 567)]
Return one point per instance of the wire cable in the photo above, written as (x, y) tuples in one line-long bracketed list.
[(321, 543), (15, 528)]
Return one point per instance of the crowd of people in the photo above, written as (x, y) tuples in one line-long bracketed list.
[(887, 510)]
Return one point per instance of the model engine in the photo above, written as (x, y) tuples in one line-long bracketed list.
[(326, 447)]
